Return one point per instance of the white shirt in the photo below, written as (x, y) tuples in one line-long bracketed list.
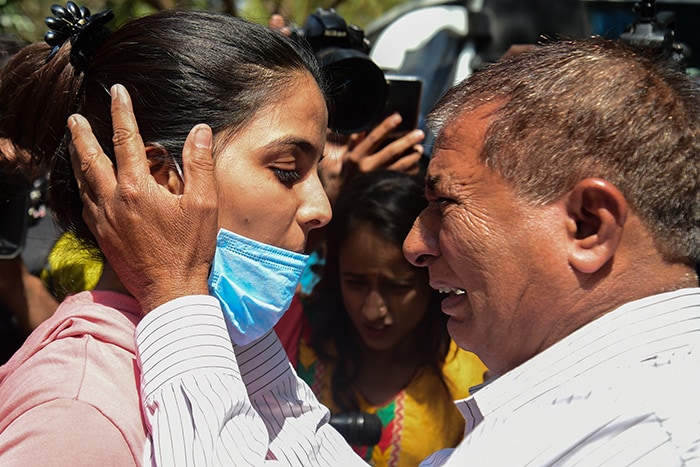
[(622, 390), (208, 403)]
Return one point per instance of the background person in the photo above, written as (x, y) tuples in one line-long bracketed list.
[(48, 264), (375, 339), (24, 300)]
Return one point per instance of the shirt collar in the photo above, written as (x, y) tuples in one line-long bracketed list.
[(620, 333)]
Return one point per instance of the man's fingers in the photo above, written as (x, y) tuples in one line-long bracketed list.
[(198, 161), (92, 168), (200, 198), (129, 150)]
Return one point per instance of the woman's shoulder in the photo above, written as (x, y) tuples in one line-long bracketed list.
[(67, 372), (64, 431), (462, 370)]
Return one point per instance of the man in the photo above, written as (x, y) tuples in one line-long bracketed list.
[(564, 225)]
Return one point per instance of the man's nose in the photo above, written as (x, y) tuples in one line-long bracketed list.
[(420, 243)]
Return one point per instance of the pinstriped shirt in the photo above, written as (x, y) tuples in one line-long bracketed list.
[(208, 403), (622, 390)]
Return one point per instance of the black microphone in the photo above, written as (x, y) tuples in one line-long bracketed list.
[(358, 428)]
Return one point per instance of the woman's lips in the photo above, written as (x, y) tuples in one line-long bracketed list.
[(375, 332)]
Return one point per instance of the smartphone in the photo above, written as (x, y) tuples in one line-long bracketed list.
[(403, 97), (14, 217)]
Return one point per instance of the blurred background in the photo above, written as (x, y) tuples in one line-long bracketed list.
[(496, 22), (439, 42), (26, 17)]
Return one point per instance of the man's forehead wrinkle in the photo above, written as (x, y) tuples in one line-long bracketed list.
[(459, 140), (447, 183)]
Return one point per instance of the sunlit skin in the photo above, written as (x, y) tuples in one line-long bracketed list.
[(509, 256), (269, 189), (385, 296)]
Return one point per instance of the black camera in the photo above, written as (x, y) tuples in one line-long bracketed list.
[(656, 31), (358, 428), (357, 88)]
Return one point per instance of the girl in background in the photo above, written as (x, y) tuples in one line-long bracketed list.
[(374, 339)]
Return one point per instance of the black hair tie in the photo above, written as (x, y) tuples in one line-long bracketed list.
[(85, 31)]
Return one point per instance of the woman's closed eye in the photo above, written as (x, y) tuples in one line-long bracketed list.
[(287, 177)]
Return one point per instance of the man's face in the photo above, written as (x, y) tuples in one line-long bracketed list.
[(495, 254)]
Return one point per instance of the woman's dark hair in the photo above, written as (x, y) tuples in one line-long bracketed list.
[(389, 201), (180, 68)]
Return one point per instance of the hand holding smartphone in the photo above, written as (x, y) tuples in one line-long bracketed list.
[(404, 97)]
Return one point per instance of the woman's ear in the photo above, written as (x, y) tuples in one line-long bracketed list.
[(597, 213), (163, 168)]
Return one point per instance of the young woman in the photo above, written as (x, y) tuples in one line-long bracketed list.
[(70, 395), (377, 341)]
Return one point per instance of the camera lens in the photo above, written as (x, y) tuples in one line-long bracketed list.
[(356, 86), (357, 90)]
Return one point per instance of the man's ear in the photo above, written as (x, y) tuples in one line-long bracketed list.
[(597, 213), (163, 169)]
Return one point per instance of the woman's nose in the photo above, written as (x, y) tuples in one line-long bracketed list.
[(375, 308), (316, 209)]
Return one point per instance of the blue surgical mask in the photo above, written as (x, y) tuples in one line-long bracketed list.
[(254, 282)]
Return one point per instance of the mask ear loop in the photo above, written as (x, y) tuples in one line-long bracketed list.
[(178, 169), (161, 156)]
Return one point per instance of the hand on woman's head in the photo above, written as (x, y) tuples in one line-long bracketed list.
[(160, 243)]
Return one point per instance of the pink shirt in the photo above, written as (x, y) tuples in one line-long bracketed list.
[(70, 396)]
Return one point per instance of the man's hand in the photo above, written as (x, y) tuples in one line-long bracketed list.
[(160, 243)]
